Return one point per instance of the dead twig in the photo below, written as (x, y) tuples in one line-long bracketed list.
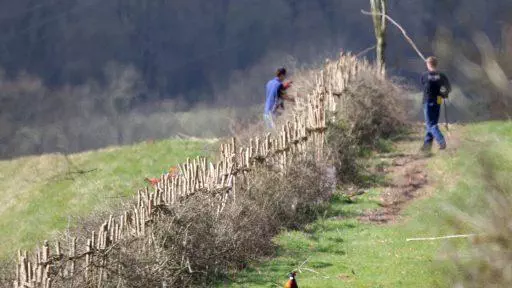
[(81, 171), (442, 237), (362, 52), (300, 266), (445, 116), (75, 169)]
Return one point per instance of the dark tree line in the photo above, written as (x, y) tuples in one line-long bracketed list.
[(181, 47), (108, 59)]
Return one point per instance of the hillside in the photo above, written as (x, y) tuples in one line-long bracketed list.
[(361, 241), (213, 218), (42, 194)]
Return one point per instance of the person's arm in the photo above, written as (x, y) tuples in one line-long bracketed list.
[(446, 84), (287, 85), (282, 93)]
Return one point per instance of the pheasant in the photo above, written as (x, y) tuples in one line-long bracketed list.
[(152, 181), (173, 172), (291, 283)]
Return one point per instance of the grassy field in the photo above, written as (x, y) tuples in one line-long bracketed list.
[(338, 250), (41, 194)]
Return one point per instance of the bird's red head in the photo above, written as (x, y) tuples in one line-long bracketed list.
[(292, 275)]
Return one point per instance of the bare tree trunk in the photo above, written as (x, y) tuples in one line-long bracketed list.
[(506, 39), (379, 10)]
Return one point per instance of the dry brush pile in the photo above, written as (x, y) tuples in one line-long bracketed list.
[(213, 218), (372, 108)]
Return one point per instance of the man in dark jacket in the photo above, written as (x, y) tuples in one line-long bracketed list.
[(436, 88)]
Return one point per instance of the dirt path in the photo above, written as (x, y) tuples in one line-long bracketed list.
[(408, 176)]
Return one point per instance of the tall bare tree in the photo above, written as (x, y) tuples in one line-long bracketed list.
[(379, 10)]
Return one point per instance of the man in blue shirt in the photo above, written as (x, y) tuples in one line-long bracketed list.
[(275, 94), (436, 87)]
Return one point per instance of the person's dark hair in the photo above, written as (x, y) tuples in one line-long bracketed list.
[(281, 72)]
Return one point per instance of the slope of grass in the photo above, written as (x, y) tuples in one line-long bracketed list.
[(339, 251), (458, 177), (41, 194)]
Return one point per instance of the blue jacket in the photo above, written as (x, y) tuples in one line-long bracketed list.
[(274, 88)]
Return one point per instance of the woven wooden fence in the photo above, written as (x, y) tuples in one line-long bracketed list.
[(305, 128)]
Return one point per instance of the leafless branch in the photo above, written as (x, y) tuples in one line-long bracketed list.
[(362, 52), (401, 29)]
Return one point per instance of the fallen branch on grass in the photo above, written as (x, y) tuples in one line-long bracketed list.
[(442, 237), (73, 169), (81, 171), (300, 266)]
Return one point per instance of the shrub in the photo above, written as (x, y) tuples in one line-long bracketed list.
[(343, 150), (373, 108), (6, 273), (294, 197)]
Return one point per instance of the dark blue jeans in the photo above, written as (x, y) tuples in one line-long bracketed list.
[(432, 111)]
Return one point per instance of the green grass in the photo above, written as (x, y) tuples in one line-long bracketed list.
[(39, 194), (343, 252), (457, 178)]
